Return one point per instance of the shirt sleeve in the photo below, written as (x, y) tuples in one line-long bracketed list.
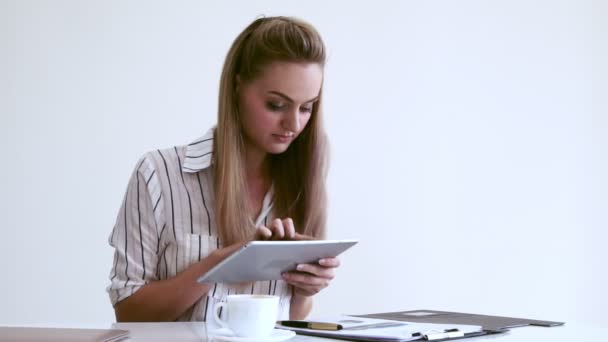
[(134, 237)]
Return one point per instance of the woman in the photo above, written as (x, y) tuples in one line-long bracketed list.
[(259, 175)]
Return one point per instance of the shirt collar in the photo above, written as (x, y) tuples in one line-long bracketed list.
[(199, 153)]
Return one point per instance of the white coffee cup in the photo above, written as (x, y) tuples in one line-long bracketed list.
[(248, 315)]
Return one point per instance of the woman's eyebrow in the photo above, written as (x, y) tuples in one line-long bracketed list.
[(288, 98)]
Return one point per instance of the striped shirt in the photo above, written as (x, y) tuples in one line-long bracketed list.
[(167, 222)]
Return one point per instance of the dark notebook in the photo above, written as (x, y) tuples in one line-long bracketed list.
[(488, 323)]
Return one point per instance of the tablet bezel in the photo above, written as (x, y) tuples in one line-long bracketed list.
[(237, 267)]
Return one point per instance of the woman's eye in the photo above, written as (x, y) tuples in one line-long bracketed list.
[(306, 109), (275, 106)]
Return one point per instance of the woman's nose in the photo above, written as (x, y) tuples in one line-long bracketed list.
[(291, 121)]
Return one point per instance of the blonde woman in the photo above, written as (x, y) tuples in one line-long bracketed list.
[(260, 174)]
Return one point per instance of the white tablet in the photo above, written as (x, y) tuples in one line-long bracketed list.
[(267, 260)]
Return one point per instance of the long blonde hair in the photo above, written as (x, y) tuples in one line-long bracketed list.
[(299, 173)]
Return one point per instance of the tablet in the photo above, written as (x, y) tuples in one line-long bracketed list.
[(267, 260)]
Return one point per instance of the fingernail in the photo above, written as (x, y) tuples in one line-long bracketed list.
[(322, 262), (300, 267)]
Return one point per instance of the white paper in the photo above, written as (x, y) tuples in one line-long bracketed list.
[(388, 334)]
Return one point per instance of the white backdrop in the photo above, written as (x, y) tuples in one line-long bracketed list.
[(469, 149)]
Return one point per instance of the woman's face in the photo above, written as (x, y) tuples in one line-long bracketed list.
[(276, 106)]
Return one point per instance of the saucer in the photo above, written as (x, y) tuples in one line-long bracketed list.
[(225, 335)]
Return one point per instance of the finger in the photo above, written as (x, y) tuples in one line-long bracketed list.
[(290, 230), (329, 262), (302, 285), (278, 232), (262, 233), (305, 289), (319, 271), (305, 279)]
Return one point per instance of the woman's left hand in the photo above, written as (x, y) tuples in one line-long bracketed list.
[(309, 279)]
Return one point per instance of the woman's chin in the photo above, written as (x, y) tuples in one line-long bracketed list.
[(277, 148)]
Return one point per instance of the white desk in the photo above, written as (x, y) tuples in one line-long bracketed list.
[(191, 331)]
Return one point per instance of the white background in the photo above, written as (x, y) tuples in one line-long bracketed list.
[(469, 146)]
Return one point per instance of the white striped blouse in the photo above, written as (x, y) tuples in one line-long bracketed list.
[(167, 223)]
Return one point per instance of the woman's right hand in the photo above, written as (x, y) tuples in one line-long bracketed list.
[(222, 253), (279, 229)]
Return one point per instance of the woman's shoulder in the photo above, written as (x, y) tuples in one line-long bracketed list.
[(163, 158), (190, 157)]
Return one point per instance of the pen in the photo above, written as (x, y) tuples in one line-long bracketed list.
[(311, 325), (448, 333)]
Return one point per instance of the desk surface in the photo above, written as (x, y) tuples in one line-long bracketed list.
[(197, 331), (192, 331)]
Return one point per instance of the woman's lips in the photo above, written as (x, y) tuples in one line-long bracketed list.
[(283, 138)]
